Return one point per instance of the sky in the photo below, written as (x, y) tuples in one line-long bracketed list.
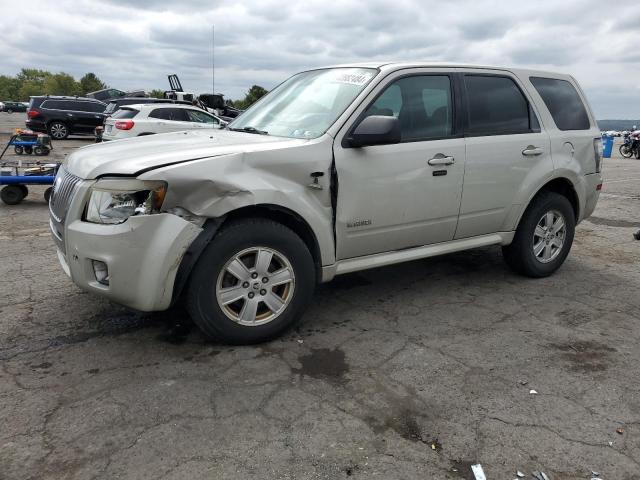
[(136, 44)]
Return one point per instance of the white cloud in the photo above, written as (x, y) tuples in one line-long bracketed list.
[(136, 44)]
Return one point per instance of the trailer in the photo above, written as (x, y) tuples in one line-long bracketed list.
[(15, 176)]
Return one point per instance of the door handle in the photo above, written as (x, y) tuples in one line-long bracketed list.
[(440, 159), (532, 151)]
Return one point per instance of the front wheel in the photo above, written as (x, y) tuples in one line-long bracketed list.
[(253, 281), (625, 151), (543, 238)]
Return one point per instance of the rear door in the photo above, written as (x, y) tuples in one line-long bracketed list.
[(178, 120), (86, 115), (506, 150)]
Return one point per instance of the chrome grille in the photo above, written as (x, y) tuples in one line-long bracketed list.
[(63, 189)]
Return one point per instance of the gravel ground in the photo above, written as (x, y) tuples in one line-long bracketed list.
[(412, 371)]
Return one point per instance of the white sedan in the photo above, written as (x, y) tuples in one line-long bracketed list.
[(147, 119)]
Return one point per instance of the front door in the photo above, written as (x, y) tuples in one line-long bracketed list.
[(402, 195)]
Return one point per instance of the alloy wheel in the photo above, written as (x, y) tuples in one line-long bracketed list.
[(255, 286), (58, 130), (549, 236)]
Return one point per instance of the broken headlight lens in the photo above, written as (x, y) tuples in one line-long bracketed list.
[(114, 201)]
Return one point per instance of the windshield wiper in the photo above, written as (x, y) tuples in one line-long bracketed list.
[(249, 130)]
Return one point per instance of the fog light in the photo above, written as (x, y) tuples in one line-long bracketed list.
[(101, 272)]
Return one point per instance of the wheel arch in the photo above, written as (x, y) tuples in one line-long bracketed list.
[(562, 186), (212, 226)]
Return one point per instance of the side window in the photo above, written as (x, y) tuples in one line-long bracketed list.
[(82, 106), (95, 107), (71, 106), (179, 115), (563, 103), (423, 104), (496, 106), (200, 117), (161, 113)]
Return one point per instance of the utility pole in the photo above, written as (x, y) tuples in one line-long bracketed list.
[(213, 68)]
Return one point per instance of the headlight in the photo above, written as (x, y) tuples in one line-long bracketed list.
[(113, 201)]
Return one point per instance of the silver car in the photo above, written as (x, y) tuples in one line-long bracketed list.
[(336, 170)]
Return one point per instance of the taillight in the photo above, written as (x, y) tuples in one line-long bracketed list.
[(598, 152), (124, 124), (32, 113)]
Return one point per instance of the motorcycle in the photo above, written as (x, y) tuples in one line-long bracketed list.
[(630, 147)]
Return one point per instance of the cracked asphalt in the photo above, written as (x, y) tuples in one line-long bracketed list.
[(417, 370)]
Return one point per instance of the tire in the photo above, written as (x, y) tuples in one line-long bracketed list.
[(12, 194), (242, 241), (625, 151), (18, 149), (58, 130), (38, 151), (9, 111), (25, 191), (28, 150), (47, 194), (637, 152), (536, 255)]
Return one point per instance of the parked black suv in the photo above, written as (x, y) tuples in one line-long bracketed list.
[(62, 116), (14, 107)]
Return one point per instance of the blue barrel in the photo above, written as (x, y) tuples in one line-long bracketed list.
[(607, 146)]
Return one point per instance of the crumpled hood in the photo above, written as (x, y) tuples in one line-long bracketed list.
[(131, 156)]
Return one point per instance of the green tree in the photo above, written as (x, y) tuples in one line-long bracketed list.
[(254, 94), (61, 84), (90, 83), (9, 88), (155, 93)]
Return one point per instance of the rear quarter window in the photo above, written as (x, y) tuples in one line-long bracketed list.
[(563, 102)]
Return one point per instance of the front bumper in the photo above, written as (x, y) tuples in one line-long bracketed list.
[(142, 256)]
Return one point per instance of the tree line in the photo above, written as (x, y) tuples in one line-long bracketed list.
[(32, 81)]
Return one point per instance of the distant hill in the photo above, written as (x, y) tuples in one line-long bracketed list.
[(618, 125)]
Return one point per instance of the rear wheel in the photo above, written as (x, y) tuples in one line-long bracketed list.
[(12, 194), (58, 130), (39, 150), (544, 236), (18, 149), (253, 281), (625, 151)]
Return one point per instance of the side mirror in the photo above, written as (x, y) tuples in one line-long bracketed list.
[(375, 130)]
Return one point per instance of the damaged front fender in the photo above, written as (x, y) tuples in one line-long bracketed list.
[(214, 187)]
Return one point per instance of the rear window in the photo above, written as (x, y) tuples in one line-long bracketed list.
[(563, 103), (125, 113), (496, 106)]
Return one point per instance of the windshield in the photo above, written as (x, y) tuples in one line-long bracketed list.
[(307, 104)]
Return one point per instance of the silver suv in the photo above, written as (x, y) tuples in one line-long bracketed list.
[(336, 170)]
